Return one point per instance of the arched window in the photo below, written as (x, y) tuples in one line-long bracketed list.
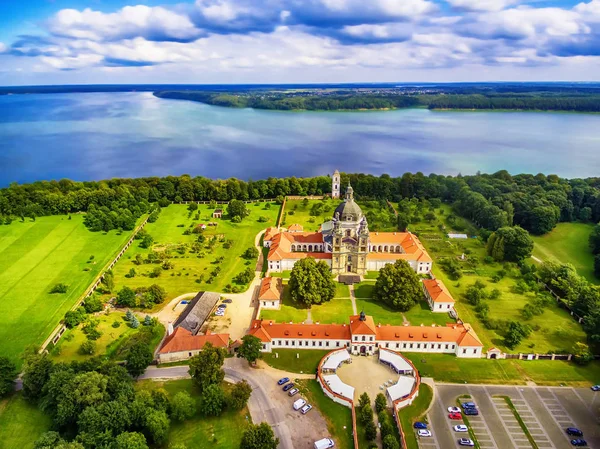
[(385, 248), (348, 233), (304, 248), (380, 249), (310, 248), (293, 248)]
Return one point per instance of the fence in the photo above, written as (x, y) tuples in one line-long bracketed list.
[(60, 329)]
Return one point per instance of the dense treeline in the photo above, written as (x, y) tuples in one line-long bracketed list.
[(589, 103), (536, 203), (287, 103), (541, 101)]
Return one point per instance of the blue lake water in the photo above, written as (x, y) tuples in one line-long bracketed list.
[(90, 136)]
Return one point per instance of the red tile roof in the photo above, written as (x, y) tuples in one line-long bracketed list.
[(366, 327), (412, 246), (281, 245), (270, 289), (296, 228), (182, 340), (268, 330), (270, 233), (437, 290)]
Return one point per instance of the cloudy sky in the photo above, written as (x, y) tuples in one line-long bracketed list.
[(292, 41)]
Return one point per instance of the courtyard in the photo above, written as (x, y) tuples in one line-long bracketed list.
[(378, 379)]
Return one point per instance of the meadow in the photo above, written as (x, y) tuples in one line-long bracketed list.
[(35, 256), (21, 423), (190, 271), (568, 243)]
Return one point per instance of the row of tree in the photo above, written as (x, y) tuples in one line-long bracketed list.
[(588, 103)]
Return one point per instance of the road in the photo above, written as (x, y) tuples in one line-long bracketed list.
[(261, 406)]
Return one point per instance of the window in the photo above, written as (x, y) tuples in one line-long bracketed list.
[(363, 338), (453, 346), (273, 303), (440, 306), (411, 346), (337, 344), (448, 306), (293, 342), (279, 342), (418, 345), (320, 343), (464, 351), (474, 351), (403, 345), (327, 343), (446, 346), (287, 343), (387, 345), (397, 345), (371, 339), (264, 346), (314, 343), (439, 346), (190, 354)]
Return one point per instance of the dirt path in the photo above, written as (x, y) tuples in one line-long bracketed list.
[(353, 299)]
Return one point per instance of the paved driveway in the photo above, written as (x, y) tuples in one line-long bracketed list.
[(546, 412)]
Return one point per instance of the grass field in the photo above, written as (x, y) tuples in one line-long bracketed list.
[(189, 267), (295, 361), (296, 212), (21, 423), (289, 310), (412, 413), (202, 432), (568, 243), (338, 417), (34, 256), (449, 368)]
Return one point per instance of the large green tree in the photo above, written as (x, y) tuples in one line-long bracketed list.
[(239, 396), (311, 282), (206, 368), (138, 359), (126, 297), (512, 244), (236, 208), (398, 286), (130, 440), (8, 374), (259, 436), (183, 406), (250, 348), (212, 400)]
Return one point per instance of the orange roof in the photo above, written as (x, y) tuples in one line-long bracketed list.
[(183, 340), (362, 327), (412, 246), (463, 335), (296, 228), (270, 289), (437, 290), (268, 330), (281, 245), (270, 233)]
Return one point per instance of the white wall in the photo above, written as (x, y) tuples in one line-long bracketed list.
[(267, 304), (441, 307), (472, 352)]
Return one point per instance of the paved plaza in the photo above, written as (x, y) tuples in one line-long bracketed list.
[(366, 374)]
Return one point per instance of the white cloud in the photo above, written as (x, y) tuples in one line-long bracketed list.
[(2, 47), (482, 5)]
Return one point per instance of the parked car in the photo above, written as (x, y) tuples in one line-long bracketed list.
[(468, 405), (424, 433), (471, 412), (283, 380), (596, 388), (288, 386), (453, 410), (579, 442), (220, 313), (455, 415), (293, 392), (299, 404), (420, 425), (222, 306), (466, 442), (307, 408), (574, 431), (461, 428), (325, 443), (227, 301)]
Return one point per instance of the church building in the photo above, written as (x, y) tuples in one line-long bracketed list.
[(345, 242)]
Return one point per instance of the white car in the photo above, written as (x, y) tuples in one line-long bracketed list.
[(293, 392), (219, 313), (325, 443), (424, 433), (453, 410), (307, 408), (461, 428), (299, 404)]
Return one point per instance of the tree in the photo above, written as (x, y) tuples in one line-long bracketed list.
[(212, 400), (35, 375), (93, 304), (380, 403), (512, 244), (591, 325), (157, 425), (183, 406), (130, 440), (126, 297), (594, 240), (516, 332), (138, 359), (240, 394), (74, 317), (8, 374), (597, 265), (250, 348), (88, 347), (403, 222), (236, 208), (398, 286), (206, 367), (147, 241), (311, 282), (250, 253), (370, 430), (582, 354), (390, 442), (108, 280), (259, 436)]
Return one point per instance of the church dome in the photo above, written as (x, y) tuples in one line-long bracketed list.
[(348, 210)]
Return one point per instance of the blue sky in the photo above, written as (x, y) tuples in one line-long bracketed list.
[(290, 41)]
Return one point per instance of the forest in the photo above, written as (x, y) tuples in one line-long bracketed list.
[(357, 100)]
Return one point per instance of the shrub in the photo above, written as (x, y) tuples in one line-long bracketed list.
[(59, 288), (116, 324), (88, 347)]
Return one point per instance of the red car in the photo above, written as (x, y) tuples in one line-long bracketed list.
[(454, 415)]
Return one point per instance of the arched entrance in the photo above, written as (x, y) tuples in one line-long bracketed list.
[(494, 356), (363, 350)]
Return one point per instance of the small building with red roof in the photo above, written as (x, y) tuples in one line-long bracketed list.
[(437, 295), (181, 344), (269, 296)]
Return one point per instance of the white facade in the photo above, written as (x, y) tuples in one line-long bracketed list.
[(440, 307), (277, 266), (270, 304)]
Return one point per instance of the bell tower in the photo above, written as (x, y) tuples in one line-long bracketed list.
[(335, 185)]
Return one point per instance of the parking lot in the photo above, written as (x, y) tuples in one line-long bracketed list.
[(545, 411)]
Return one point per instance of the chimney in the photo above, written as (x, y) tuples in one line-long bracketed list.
[(170, 329)]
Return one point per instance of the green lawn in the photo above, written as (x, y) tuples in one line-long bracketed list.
[(341, 290), (364, 290), (449, 368), (34, 256), (21, 423), (568, 243), (338, 310), (381, 313), (289, 310), (284, 274), (201, 432), (299, 361), (298, 213), (422, 314), (338, 417), (411, 414), (190, 267)]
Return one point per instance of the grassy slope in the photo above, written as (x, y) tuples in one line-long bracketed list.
[(188, 267), (568, 243), (412, 413), (21, 423), (200, 432), (34, 256), (307, 361)]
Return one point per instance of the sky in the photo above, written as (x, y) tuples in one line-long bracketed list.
[(297, 41)]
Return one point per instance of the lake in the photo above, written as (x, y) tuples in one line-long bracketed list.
[(91, 136)]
